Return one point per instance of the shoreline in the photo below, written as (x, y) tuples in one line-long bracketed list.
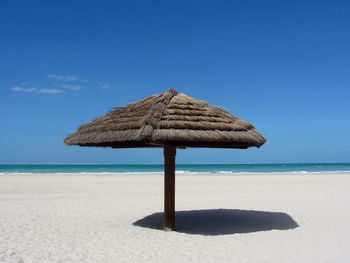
[(195, 169), (181, 173)]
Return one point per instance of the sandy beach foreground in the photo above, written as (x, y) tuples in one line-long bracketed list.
[(224, 218)]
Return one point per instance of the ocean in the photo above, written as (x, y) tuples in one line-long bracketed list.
[(180, 168)]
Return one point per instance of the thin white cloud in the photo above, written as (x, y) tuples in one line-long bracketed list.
[(66, 82), (50, 91), (104, 85), (71, 87), (26, 90), (31, 90), (63, 77)]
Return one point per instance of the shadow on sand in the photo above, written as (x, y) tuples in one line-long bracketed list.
[(213, 222)]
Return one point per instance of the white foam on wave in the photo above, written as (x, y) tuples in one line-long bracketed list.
[(284, 172), (188, 172)]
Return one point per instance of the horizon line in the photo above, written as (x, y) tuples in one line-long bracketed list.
[(176, 163)]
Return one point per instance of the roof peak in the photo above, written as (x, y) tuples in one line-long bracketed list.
[(172, 91)]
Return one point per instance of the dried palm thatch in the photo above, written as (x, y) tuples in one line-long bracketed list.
[(169, 118)]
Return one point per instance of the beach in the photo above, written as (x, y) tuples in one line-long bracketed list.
[(297, 217)]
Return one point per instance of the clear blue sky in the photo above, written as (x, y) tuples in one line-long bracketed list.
[(284, 66)]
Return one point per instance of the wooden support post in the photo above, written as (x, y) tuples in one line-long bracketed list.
[(169, 188)]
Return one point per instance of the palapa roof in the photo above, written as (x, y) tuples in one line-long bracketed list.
[(169, 118)]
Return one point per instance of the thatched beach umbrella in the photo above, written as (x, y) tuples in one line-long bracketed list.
[(169, 120)]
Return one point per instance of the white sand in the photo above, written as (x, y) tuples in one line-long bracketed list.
[(89, 218)]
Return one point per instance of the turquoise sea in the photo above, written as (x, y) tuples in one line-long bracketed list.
[(180, 168)]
